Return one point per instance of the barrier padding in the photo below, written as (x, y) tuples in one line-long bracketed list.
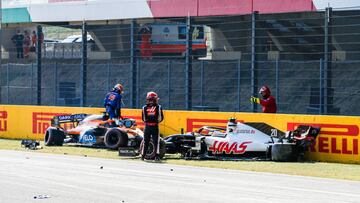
[(338, 140)]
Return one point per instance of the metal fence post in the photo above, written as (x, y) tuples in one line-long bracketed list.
[(169, 82), (83, 69), (277, 80), (31, 83), (238, 84), (202, 82), (55, 83), (108, 76), (38, 61), (254, 17), (328, 100), (54, 51), (138, 66), (133, 64), (321, 88), (72, 50), (8, 83), (188, 64)]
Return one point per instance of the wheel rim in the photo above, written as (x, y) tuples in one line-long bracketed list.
[(112, 139)]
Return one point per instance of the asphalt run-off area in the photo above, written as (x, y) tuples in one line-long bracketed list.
[(34, 177)]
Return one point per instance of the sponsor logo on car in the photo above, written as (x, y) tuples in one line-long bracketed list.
[(3, 121), (140, 124), (193, 124), (72, 117), (87, 137), (219, 147), (42, 120), (245, 131), (334, 138)]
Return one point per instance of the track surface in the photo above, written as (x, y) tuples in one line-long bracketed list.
[(38, 177)]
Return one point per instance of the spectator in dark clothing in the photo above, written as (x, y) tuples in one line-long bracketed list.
[(267, 102), (18, 40)]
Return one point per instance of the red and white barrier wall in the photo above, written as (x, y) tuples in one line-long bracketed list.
[(338, 140)]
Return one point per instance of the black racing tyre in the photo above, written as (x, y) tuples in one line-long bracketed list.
[(54, 137), (162, 148), (284, 152), (150, 153), (203, 149), (114, 139)]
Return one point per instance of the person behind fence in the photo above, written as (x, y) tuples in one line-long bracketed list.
[(33, 41), (34, 38), (26, 44), (112, 102), (152, 115), (145, 46), (18, 40), (267, 102)]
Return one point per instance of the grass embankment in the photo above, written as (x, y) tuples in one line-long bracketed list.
[(315, 169)]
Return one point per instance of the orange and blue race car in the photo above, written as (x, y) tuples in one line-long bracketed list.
[(95, 130)]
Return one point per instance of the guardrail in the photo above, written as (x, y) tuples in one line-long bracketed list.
[(338, 140)]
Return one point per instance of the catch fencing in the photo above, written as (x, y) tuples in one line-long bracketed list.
[(309, 60), (216, 86)]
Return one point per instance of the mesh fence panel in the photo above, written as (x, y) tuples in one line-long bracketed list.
[(121, 73), (287, 49), (299, 84), (345, 88), (153, 76), (17, 83), (177, 82), (223, 86)]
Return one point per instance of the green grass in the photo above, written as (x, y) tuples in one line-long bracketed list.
[(59, 33), (315, 169)]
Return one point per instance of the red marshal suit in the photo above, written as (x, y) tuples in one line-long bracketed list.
[(267, 102), (268, 105), (145, 46)]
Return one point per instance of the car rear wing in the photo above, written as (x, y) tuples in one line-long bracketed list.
[(57, 120)]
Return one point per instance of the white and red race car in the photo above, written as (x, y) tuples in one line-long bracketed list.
[(255, 141)]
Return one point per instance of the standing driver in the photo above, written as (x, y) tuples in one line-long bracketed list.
[(267, 102), (152, 115), (112, 102)]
